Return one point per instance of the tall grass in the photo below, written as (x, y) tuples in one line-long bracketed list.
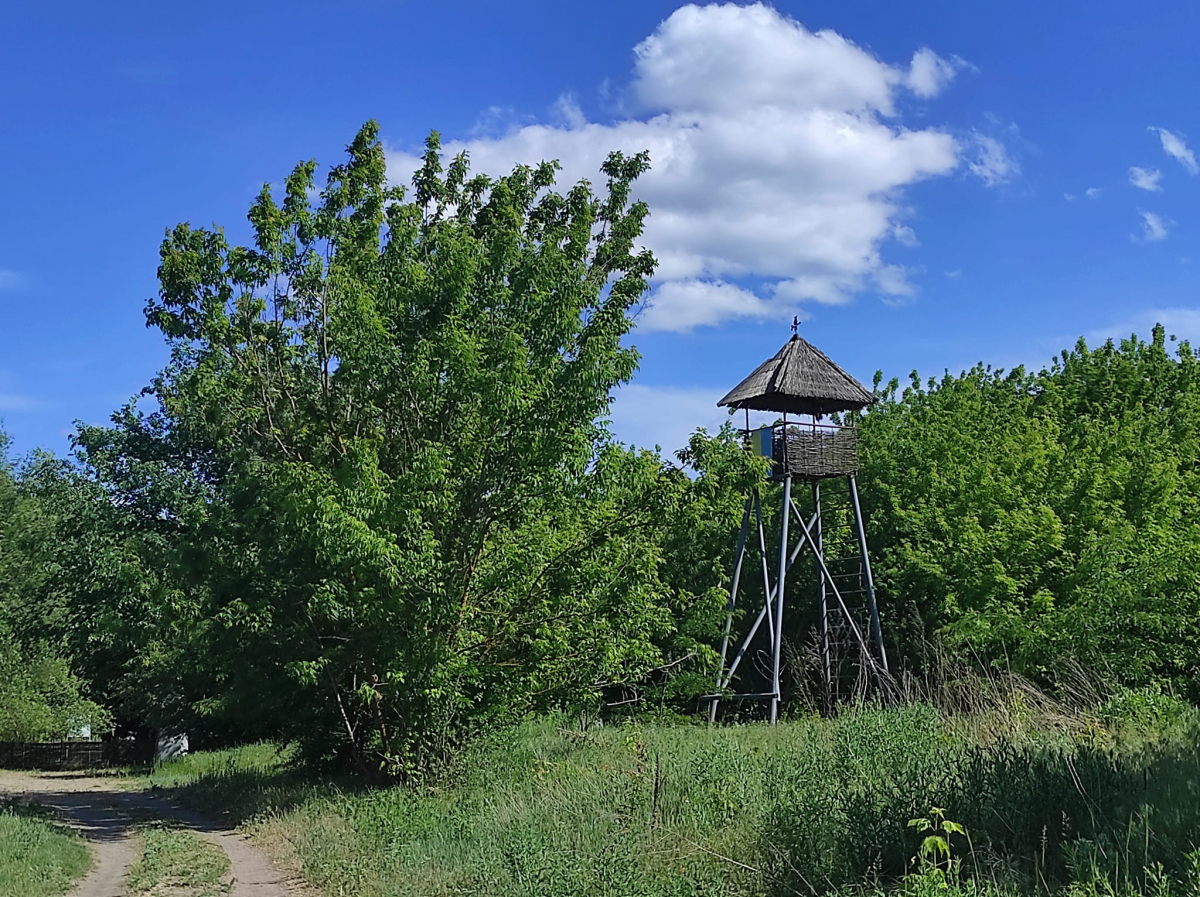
[(37, 857), (812, 806)]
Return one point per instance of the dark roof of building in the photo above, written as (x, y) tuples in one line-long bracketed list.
[(799, 379)]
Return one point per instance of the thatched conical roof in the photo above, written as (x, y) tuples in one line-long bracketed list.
[(799, 379)]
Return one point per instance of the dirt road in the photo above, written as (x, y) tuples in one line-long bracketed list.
[(106, 810)]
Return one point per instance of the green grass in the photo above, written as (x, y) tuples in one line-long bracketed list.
[(178, 863), (38, 858), (812, 806)]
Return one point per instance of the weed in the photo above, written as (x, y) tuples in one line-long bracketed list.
[(938, 867)]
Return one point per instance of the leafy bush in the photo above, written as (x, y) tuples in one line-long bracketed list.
[(1045, 519), (1147, 709)]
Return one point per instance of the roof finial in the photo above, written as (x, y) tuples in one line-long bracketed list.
[(795, 324)]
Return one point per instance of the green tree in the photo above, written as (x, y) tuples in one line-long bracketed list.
[(40, 697), (1046, 518), (403, 518), (105, 597), (24, 535)]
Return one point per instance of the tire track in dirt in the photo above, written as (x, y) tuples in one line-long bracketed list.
[(106, 814)]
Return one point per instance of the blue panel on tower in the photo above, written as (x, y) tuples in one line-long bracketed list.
[(762, 441)]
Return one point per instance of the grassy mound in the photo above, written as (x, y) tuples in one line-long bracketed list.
[(812, 806)]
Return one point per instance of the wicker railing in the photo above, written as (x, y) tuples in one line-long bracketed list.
[(808, 451)]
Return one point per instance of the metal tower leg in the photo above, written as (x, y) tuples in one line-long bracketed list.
[(876, 628), (762, 555), (739, 555), (826, 652), (776, 649), (762, 613)]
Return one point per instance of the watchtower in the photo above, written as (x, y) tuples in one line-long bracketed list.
[(800, 380)]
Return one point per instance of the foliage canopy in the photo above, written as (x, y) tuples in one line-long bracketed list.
[(381, 446), (1046, 519), (374, 507)]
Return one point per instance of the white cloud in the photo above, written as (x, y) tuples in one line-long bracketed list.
[(928, 73), (667, 416), (729, 56), (567, 110), (1070, 197), (892, 281), (495, 120), (991, 162), (1093, 192), (777, 157), (1145, 178), (905, 236), (683, 305), (1174, 146), (955, 274), (1182, 323), (1154, 228)]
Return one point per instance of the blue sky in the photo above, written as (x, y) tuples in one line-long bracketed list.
[(927, 185)]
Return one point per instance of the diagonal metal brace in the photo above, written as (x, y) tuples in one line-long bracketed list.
[(862, 644), (765, 610)]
